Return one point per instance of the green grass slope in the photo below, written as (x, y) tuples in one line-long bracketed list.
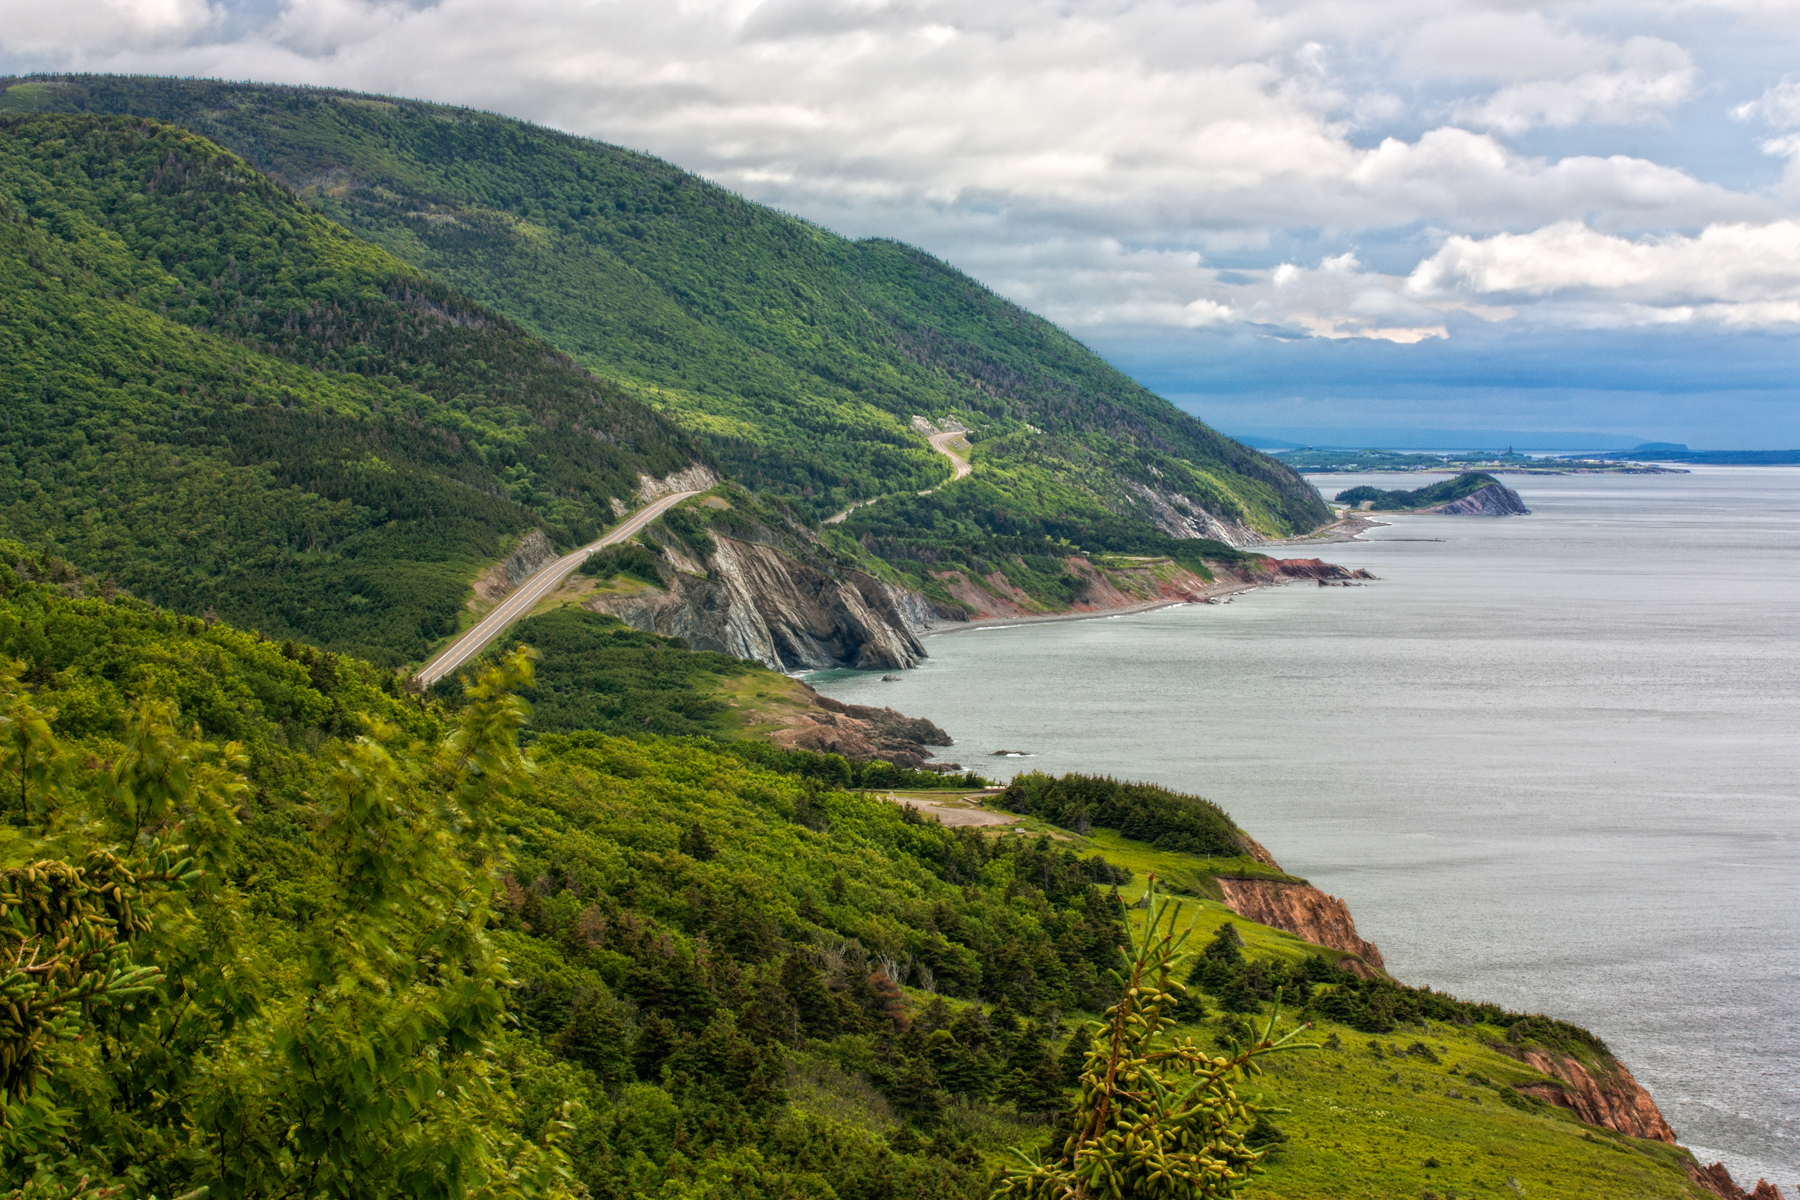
[(799, 356), (643, 966), (226, 402)]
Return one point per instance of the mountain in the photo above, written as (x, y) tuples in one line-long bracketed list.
[(315, 935), (799, 358), (228, 404)]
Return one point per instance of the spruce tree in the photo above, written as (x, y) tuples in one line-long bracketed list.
[(1156, 1116)]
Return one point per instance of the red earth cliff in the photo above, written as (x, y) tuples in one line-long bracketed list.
[(1151, 582), (1610, 1098), (1304, 911), (1717, 1180), (1613, 1100)]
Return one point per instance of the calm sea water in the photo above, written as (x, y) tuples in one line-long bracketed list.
[(1551, 761)]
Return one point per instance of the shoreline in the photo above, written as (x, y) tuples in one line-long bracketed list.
[(1348, 528), (1210, 596)]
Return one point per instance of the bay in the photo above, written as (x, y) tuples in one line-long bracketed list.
[(1550, 761)]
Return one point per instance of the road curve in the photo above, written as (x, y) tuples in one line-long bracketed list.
[(941, 443), (546, 580)]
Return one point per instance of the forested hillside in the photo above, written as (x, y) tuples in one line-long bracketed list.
[(274, 927), (798, 356), (228, 404)]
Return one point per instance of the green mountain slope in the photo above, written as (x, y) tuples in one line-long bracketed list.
[(414, 962), (227, 403), (799, 356)]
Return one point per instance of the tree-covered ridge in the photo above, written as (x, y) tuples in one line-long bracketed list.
[(228, 403), (797, 355), (337, 940), (412, 966), (1442, 492)]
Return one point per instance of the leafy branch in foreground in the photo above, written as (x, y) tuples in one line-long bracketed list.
[(1155, 1118)]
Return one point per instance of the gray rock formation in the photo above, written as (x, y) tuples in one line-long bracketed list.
[(530, 553), (1180, 516), (1494, 500), (755, 602), (695, 478)]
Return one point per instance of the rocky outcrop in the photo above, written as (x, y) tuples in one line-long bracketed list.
[(1494, 500), (755, 602), (1301, 909), (1304, 568), (861, 731), (1612, 1099), (1181, 517), (1717, 1180), (695, 478), (521, 563), (1132, 583)]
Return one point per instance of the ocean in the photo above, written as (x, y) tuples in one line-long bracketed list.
[(1550, 761)]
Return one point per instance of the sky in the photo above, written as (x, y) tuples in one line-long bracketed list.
[(1327, 221)]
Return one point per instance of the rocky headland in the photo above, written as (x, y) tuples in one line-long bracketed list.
[(1473, 493), (1494, 500), (865, 732), (1602, 1093)]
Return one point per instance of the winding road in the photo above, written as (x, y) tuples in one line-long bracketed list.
[(939, 442), (541, 584)]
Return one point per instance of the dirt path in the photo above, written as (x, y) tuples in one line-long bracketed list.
[(939, 442), (953, 811)]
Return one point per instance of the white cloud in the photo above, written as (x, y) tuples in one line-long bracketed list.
[(1083, 156), (1743, 275), (99, 27), (1779, 106)]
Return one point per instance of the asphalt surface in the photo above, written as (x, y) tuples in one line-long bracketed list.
[(527, 594)]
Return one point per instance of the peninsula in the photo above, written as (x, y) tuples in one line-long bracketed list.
[(1474, 493)]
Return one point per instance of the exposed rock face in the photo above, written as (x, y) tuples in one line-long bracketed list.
[(1717, 1180), (695, 479), (754, 602), (1181, 517), (1301, 909), (1614, 1100), (860, 731), (1494, 500), (531, 553)]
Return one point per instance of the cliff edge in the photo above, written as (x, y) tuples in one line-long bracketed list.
[(1306, 912), (1494, 500)]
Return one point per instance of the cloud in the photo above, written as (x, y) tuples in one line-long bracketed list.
[(1111, 163), (101, 27), (1737, 275), (1779, 106)]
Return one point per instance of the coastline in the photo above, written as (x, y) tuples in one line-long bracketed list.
[(1220, 591), (1348, 528)]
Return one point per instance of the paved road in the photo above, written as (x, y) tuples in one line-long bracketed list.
[(531, 591), (941, 443)]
